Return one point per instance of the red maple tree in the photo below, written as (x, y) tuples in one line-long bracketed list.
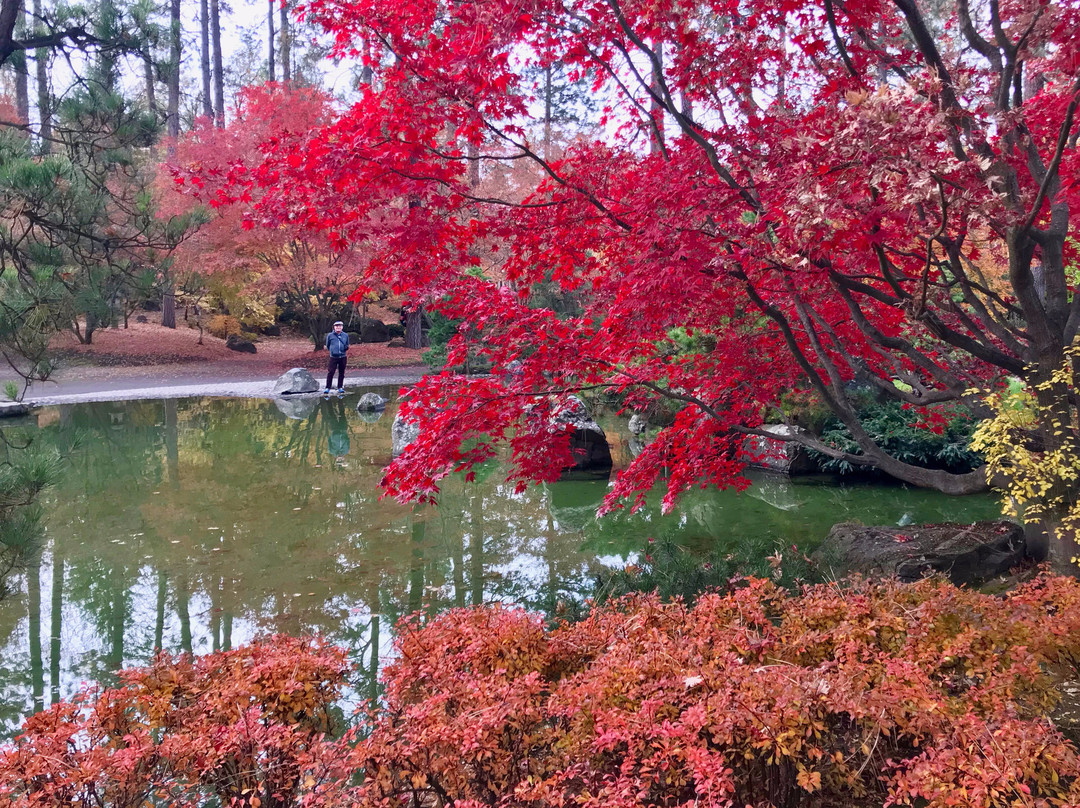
[(272, 257), (825, 196)]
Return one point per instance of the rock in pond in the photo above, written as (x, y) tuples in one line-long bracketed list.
[(969, 554), (13, 409), (234, 342), (588, 444), (371, 402), (780, 456), (402, 433), (296, 380)]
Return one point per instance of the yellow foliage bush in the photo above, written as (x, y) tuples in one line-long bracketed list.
[(1042, 482), (221, 325)]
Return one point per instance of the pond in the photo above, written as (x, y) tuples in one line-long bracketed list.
[(198, 524)]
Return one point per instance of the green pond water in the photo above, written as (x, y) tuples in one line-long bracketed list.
[(199, 524)]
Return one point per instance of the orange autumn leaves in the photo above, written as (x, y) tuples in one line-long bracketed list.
[(855, 694)]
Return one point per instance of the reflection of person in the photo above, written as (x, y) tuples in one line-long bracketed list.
[(337, 437), (337, 342)]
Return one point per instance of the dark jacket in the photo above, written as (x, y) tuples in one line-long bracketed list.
[(337, 344)]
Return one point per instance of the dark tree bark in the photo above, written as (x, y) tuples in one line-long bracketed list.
[(107, 30), (44, 96), (148, 79), (22, 78), (10, 44), (168, 306), (219, 72), (270, 37), (414, 327), (204, 59), (175, 50)]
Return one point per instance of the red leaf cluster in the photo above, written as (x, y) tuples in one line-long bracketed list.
[(819, 195)]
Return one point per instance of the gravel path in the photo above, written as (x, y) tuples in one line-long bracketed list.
[(179, 381)]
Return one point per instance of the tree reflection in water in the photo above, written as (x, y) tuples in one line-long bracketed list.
[(201, 523)]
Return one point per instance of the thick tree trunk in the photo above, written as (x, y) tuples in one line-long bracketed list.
[(286, 49), (168, 307), (270, 38), (44, 96), (414, 328), (219, 72), (204, 59), (175, 50)]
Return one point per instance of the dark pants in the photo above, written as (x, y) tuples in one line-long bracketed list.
[(336, 363)]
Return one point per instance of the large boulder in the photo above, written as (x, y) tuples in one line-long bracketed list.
[(968, 554), (294, 381), (371, 330), (234, 342), (371, 402), (638, 424), (402, 433), (588, 444), (778, 455)]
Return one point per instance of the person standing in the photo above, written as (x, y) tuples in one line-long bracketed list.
[(337, 342)]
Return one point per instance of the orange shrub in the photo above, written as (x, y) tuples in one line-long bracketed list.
[(221, 325), (855, 694)]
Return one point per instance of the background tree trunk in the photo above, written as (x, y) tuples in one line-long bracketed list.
[(219, 73), (656, 141), (108, 29), (204, 59), (148, 77), (286, 66), (270, 37), (168, 306), (41, 58), (22, 78), (173, 113), (414, 328)]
